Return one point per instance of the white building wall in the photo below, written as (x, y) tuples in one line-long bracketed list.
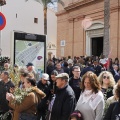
[(26, 12)]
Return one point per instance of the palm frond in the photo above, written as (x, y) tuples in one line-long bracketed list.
[(58, 1), (61, 2), (39, 1), (46, 2)]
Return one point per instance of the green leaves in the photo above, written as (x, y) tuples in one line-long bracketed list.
[(2, 61), (20, 94)]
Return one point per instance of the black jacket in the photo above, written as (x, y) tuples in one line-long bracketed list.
[(4, 87), (97, 69), (64, 104), (75, 84), (113, 112), (89, 68), (42, 106)]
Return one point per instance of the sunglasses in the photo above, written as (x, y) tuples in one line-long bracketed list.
[(104, 77)]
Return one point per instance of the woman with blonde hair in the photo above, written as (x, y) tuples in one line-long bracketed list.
[(91, 101), (107, 83)]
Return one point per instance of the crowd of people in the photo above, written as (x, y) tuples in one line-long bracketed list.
[(83, 88)]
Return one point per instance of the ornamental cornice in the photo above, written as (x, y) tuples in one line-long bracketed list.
[(115, 8), (77, 18), (60, 12), (77, 4)]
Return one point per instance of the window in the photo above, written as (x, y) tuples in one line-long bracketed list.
[(35, 20), (62, 43)]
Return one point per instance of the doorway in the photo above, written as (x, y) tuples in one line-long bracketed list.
[(97, 46)]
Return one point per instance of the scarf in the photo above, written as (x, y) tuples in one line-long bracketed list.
[(91, 97)]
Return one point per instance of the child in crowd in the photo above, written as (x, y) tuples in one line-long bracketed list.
[(76, 115)]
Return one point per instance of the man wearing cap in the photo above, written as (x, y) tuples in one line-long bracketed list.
[(64, 102), (44, 85), (30, 68)]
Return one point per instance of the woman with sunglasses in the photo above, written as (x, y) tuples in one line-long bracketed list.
[(107, 83)]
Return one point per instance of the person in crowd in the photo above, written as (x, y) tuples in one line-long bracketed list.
[(81, 63), (75, 62), (97, 68), (70, 60), (115, 72), (23, 74), (5, 85), (15, 68), (103, 61), (75, 81), (117, 77), (113, 112), (89, 60), (87, 68), (59, 68), (6, 67), (91, 101), (76, 115), (70, 66), (107, 83), (110, 64), (27, 108), (30, 68), (50, 67), (53, 89), (113, 98), (66, 68), (64, 102), (54, 59), (116, 61), (43, 85), (53, 83)]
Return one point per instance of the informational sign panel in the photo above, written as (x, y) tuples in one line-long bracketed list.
[(30, 48)]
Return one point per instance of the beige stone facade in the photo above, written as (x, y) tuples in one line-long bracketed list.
[(76, 37)]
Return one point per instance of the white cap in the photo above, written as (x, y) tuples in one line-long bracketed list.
[(70, 61), (45, 76)]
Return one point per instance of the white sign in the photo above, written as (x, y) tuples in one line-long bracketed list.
[(62, 43)]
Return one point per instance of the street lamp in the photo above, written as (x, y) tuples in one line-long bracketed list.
[(2, 2)]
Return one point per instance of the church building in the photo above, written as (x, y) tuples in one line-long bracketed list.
[(80, 28)]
